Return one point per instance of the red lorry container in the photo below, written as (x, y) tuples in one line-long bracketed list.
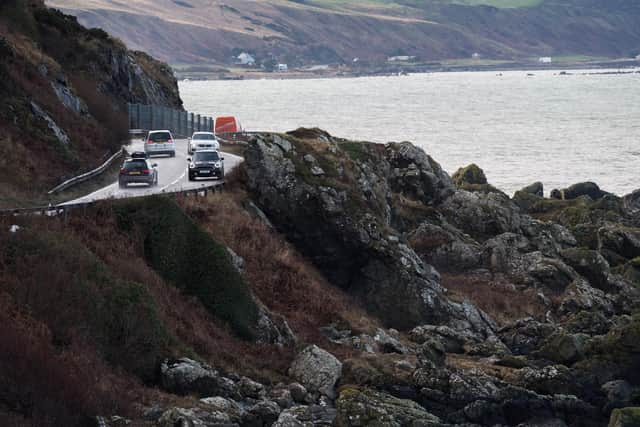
[(227, 124)]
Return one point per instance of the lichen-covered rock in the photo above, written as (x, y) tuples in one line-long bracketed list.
[(186, 376), (193, 417), (564, 348), (471, 174), (551, 379), (590, 264), (619, 243), (366, 407), (537, 189), (262, 414), (482, 215), (318, 370), (306, 416), (342, 221), (525, 335), (445, 247), (625, 417)]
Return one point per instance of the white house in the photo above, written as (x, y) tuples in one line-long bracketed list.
[(282, 67), (638, 58), (545, 60), (476, 55), (246, 59), (401, 58)]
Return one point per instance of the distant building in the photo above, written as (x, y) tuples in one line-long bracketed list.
[(476, 55), (318, 68), (544, 60), (638, 58), (282, 67), (246, 59), (401, 58)]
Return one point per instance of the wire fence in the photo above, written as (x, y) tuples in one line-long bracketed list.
[(182, 124)]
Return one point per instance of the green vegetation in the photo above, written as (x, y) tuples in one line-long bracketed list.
[(81, 300), (188, 257)]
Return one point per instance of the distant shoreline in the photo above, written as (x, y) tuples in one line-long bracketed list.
[(623, 67)]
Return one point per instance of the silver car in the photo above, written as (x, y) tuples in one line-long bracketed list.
[(160, 142), (202, 141)]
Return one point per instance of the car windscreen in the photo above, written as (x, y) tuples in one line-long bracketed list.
[(206, 157), (204, 137), (160, 136), (135, 164)]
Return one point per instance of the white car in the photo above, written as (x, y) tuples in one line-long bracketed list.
[(203, 141), (160, 142)]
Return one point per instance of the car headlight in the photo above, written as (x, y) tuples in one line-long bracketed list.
[(191, 165)]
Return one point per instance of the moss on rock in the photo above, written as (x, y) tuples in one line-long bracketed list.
[(625, 417)]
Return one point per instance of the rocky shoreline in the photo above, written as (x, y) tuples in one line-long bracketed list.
[(548, 335)]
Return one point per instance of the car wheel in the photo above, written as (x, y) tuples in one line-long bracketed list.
[(191, 177), (173, 154), (122, 185)]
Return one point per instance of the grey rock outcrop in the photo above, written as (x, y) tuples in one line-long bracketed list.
[(318, 370), (60, 135)]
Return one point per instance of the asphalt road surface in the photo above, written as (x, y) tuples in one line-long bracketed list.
[(172, 176)]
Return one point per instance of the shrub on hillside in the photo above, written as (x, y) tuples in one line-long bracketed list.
[(43, 386), (188, 257), (70, 290)]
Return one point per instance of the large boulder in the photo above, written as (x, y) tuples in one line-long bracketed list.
[(186, 376), (482, 215), (318, 370), (589, 189), (365, 407), (471, 174), (445, 247), (590, 264), (342, 220), (307, 416)]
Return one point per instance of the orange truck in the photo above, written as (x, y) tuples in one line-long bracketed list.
[(227, 124)]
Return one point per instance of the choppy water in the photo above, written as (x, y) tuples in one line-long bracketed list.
[(518, 128)]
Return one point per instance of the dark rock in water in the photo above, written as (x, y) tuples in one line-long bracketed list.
[(589, 189), (362, 407), (471, 174), (536, 189)]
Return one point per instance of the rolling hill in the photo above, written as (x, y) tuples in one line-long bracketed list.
[(335, 31)]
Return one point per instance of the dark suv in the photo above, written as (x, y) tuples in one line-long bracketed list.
[(138, 171), (206, 164)]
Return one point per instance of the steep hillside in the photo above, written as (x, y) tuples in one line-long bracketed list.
[(64, 91), (272, 302), (303, 32)]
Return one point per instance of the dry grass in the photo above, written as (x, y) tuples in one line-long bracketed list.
[(471, 363), (501, 300), (287, 283)]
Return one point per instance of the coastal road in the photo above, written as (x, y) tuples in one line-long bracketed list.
[(172, 176)]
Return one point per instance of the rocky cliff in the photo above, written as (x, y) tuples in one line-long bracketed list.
[(64, 91)]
